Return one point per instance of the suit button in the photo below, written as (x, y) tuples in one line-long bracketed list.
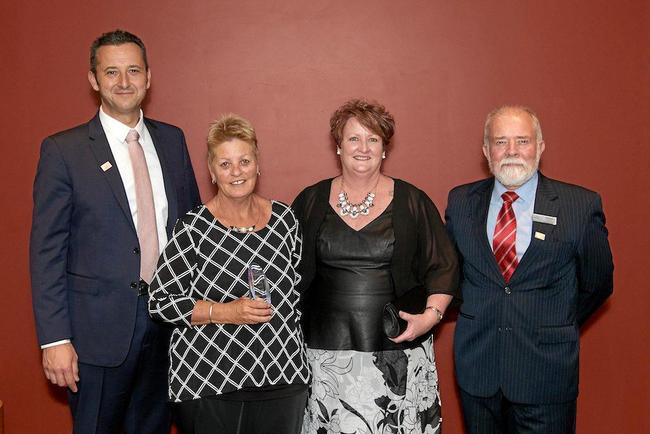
[(508, 290), (136, 250), (134, 285)]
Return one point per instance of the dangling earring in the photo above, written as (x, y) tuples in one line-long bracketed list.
[(259, 173), (214, 181), (383, 155), (338, 151)]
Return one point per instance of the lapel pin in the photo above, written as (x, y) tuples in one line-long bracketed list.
[(106, 166), (541, 218), (540, 236)]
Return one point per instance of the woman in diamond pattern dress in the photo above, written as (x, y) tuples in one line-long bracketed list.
[(237, 364)]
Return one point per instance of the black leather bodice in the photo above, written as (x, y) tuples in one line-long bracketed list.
[(352, 284)]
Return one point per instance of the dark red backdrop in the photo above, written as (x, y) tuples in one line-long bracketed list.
[(438, 65)]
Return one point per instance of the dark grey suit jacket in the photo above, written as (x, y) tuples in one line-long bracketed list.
[(523, 337), (84, 252)]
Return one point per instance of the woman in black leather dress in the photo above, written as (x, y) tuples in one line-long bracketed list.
[(369, 239)]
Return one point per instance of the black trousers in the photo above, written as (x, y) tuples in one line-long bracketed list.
[(132, 397), (216, 416), (497, 415)]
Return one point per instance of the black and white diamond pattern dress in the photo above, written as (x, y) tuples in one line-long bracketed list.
[(204, 260)]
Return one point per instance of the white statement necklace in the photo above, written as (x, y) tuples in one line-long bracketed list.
[(354, 210)]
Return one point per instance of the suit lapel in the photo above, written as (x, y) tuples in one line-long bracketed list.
[(160, 145), (479, 211), (102, 151), (546, 203)]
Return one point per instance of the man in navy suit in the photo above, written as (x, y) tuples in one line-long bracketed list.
[(536, 264), (88, 288)]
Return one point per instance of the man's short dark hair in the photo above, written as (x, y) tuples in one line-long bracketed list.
[(116, 37)]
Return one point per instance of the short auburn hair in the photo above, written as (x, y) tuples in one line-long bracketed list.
[(371, 115)]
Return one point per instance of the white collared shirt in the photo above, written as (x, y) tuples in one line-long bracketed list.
[(116, 133)]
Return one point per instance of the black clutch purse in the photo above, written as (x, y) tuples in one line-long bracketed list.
[(413, 302)]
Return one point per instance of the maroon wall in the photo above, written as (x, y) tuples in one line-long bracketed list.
[(438, 65)]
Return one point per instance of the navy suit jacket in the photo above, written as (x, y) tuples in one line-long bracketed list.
[(523, 337), (84, 253)]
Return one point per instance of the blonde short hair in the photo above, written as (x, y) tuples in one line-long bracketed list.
[(228, 127)]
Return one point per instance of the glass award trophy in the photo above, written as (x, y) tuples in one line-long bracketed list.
[(257, 283)]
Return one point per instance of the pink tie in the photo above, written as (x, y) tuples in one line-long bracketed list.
[(505, 236), (146, 215)]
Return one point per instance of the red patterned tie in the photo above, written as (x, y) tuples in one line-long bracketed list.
[(505, 236), (146, 214)]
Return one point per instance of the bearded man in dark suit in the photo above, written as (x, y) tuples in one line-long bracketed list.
[(536, 264)]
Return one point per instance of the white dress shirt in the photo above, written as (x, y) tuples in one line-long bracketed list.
[(116, 133)]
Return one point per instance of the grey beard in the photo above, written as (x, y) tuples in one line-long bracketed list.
[(514, 176)]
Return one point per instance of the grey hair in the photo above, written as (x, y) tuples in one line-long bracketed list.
[(511, 108)]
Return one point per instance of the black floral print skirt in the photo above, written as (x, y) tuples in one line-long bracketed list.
[(392, 391)]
